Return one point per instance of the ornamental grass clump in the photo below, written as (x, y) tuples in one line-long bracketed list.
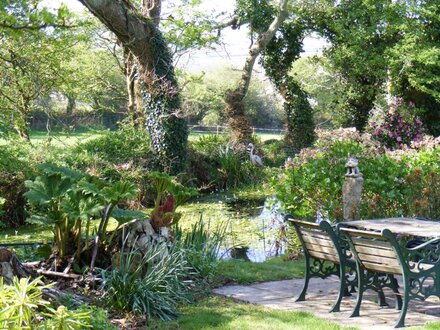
[(400, 126), (152, 284)]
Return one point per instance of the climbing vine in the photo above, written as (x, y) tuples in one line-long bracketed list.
[(277, 60), (168, 132)]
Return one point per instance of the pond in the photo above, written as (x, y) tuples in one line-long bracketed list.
[(253, 230), (255, 227)]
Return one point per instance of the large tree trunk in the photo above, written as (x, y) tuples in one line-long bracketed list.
[(71, 103), (235, 110), (135, 105), (169, 132)]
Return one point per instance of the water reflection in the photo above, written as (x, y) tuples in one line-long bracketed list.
[(270, 228)]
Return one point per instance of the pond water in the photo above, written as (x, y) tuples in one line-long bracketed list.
[(254, 225)]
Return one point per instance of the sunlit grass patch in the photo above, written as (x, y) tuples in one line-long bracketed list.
[(246, 272), (226, 314)]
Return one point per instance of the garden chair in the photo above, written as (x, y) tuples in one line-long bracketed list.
[(377, 252), (325, 255)]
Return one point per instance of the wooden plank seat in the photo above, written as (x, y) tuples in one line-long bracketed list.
[(380, 252), (324, 258)]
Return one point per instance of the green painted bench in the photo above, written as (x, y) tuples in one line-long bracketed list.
[(380, 252), (324, 258)]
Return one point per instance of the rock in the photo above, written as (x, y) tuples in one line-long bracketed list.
[(10, 266), (6, 272)]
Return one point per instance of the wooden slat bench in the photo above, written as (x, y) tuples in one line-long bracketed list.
[(377, 252), (323, 257)]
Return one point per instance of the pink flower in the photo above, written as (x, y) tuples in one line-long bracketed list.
[(411, 104), (398, 139)]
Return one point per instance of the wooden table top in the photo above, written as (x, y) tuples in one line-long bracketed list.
[(403, 226)]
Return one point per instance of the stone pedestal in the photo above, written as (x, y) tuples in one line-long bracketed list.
[(351, 197)]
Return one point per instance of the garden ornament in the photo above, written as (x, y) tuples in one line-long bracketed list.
[(255, 159)]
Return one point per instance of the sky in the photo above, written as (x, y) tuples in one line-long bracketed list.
[(235, 46)]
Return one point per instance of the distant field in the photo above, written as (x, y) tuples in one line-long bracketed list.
[(262, 135), (64, 139)]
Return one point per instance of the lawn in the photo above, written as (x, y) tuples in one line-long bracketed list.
[(224, 314), (245, 272)]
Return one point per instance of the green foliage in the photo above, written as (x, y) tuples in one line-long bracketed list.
[(414, 61), (395, 184), (16, 165), (216, 165), (202, 246), (30, 58), (62, 318), (277, 60), (203, 99), (65, 199), (19, 303), (319, 80), (151, 284), (122, 155), (22, 307)]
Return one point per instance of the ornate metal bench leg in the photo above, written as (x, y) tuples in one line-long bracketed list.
[(342, 290), (381, 297), (401, 321), (361, 288), (395, 288), (302, 295)]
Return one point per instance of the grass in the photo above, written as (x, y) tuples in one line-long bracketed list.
[(245, 272), (63, 139), (226, 314)]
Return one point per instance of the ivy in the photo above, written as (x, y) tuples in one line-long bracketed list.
[(277, 60)]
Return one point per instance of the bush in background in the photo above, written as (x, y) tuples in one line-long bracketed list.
[(216, 165), (396, 183), (399, 127), (16, 166)]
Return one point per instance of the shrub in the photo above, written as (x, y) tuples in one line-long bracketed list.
[(396, 183), (399, 127), (201, 246), (216, 164), (68, 199), (151, 284), (16, 166)]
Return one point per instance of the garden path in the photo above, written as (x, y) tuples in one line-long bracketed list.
[(321, 296)]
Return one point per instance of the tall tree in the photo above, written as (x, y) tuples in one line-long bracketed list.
[(277, 60), (235, 109), (32, 46), (415, 61), (160, 93), (361, 32)]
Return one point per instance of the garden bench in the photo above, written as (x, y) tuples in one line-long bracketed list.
[(324, 256), (380, 252)]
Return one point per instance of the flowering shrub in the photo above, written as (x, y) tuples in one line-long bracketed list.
[(400, 126)]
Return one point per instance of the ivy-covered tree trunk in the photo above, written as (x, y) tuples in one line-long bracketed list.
[(300, 131), (235, 109), (135, 105), (277, 60), (158, 84)]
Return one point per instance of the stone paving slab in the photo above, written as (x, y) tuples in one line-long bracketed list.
[(321, 296)]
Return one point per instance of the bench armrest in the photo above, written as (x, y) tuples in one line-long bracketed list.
[(425, 244)]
